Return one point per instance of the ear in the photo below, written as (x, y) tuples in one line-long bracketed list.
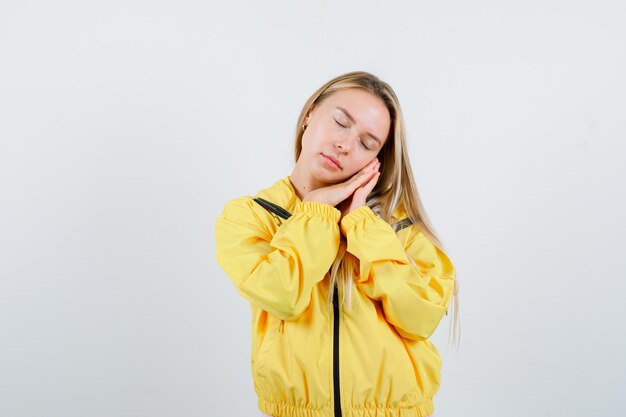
[(308, 114)]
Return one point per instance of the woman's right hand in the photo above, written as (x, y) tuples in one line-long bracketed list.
[(336, 193)]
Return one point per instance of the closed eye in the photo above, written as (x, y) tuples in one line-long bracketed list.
[(361, 142)]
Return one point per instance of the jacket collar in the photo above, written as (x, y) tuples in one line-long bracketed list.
[(281, 193), (284, 194)]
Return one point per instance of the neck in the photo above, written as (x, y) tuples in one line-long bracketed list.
[(303, 182)]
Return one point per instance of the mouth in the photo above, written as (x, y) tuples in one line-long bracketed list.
[(332, 162)]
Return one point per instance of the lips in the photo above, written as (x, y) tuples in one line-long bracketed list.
[(333, 159)]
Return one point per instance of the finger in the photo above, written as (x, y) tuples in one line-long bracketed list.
[(360, 176), (364, 178), (367, 188), (356, 181), (362, 181), (372, 182), (372, 165), (348, 188)]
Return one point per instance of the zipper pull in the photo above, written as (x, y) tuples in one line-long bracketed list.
[(336, 296), (280, 326), (278, 220)]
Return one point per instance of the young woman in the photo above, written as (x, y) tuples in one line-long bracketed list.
[(345, 277)]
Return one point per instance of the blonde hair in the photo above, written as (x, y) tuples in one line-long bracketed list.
[(395, 187)]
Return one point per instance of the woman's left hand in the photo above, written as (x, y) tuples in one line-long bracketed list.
[(359, 197)]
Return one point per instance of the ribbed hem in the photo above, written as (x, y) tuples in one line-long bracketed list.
[(317, 208), (355, 216), (280, 409), (424, 409)]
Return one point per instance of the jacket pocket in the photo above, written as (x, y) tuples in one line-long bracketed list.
[(264, 351), (427, 363)]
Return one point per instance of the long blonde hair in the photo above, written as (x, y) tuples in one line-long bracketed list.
[(395, 187)]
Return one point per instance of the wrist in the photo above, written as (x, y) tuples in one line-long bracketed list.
[(359, 215), (316, 208)]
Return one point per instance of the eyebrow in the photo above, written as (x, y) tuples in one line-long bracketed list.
[(353, 121)]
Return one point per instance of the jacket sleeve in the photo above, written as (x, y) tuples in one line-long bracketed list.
[(277, 273), (414, 298)]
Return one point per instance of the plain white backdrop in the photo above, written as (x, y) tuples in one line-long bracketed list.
[(125, 126)]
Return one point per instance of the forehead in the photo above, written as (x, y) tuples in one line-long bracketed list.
[(357, 98), (367, 109)]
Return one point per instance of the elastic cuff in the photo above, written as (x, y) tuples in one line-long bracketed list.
[(317, 208), (357, 215)]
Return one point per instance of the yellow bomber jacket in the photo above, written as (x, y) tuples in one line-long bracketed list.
[(311, 358)]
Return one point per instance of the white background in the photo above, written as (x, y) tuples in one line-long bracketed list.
[(126, 126)]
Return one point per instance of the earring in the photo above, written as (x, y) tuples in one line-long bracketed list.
[(303, 127)]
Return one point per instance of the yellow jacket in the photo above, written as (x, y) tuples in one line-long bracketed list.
[(310, 359)]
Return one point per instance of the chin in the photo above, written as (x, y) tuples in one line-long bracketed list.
[(326, 177)]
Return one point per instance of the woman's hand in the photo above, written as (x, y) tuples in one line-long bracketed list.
[(359, 197), (352, 192)]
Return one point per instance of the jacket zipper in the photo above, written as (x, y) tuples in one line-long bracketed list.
[(336, 354)]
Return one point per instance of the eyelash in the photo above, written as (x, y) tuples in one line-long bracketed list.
[(361, 142)]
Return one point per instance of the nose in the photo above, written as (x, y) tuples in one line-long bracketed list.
[(343, 145)]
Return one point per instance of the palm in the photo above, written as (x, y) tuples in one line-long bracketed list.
[(356, 200), (345, 206)]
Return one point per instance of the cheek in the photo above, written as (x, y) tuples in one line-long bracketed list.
[(362, 163), (352, 169), (316, 140), (308, 142)]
